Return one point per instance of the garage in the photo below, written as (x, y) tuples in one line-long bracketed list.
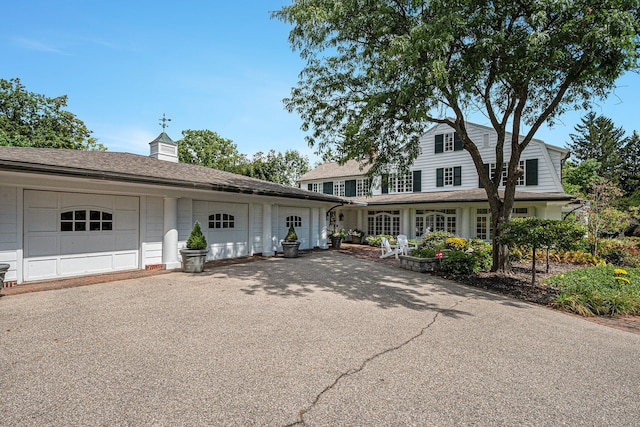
[(301, 221), (225, 226), (70, 234)]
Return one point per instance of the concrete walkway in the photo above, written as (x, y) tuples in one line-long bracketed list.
[(321, 340)]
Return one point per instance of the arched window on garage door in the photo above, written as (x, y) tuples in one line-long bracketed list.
[(86, 220), (294, 220), (221, 221)]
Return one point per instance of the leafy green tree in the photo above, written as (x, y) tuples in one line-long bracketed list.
[(283, 168), (598, 139), (577, 178), (535, 233), (378, 72), (29, 119), (602, 217), (629, 173), (207, 148)]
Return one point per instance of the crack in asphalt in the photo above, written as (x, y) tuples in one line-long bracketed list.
[(354, 371)]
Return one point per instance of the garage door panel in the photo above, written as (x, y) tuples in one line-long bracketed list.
[(126, 241), (85, 243), (43, 245), (40, 268), (224, 242), (56, 253), (87, 264), (126, 221), (302, 231), (124, 203), (41, 199), (41, 220)]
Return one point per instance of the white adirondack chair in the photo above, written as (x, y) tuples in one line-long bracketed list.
[(404, 245), (388, 249)]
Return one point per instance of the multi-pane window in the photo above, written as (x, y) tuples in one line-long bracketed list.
[(338, 188), (221, 220), (294, 220), (363, 187), (449, 141), (401, 183), (86, 220), (448, 176), (483, 224), (505, 171), (383, 222), (316, 187), (435, 220)]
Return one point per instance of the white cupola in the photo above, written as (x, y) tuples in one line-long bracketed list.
[(163, 147)]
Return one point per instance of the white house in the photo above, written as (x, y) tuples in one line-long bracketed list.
[(442, 190), (67, 213)]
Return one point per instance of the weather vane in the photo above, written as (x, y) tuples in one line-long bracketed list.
[(164, 121)]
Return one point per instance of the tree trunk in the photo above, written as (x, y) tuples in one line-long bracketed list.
[(500, 255), (533, 268)]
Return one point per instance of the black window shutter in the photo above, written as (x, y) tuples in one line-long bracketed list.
[(385, 184), (439, 143), (440, 177), (327, 187), (350, 188), (310, 187), (457, 175), (531, 172), (417, 181), (486, 169), (457, 142)]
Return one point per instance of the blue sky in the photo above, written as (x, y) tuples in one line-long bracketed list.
[(218, 65)]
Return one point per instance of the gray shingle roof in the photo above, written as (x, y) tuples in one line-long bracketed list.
[(136, 168), (334, 170), (475, 195)]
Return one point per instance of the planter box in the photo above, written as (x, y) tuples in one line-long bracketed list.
[(356, 239), (290, 249), (193, 260), (336, 242), (423, 265)]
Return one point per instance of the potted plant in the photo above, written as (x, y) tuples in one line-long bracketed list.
[(290, 244), (337, 237), (195, 255), (356, 236)]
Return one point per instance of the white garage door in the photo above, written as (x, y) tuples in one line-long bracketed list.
[(70, 234), (300, 218), (226, 227)]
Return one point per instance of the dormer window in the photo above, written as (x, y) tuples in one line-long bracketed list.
[(445, 142)]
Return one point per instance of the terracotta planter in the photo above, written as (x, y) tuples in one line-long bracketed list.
[(290, 249), (193, 260)]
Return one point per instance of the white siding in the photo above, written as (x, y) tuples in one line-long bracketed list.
[(428, 161), (256, 228), (154, 230), (185, 219), (9, 230)]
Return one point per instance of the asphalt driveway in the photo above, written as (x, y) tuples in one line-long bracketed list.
[(322, 340)]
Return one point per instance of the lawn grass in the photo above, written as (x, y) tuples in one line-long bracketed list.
[(598, 291)]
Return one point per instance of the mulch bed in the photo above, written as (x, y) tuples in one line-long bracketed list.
[(516, 284)]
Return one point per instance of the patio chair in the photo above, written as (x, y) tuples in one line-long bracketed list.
[(388, 249), (404, 245)]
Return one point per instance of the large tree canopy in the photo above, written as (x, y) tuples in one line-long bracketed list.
[(379, 71), (207, 148), (32, 120)]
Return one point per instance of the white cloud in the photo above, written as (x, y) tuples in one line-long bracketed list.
[(36, 45)]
